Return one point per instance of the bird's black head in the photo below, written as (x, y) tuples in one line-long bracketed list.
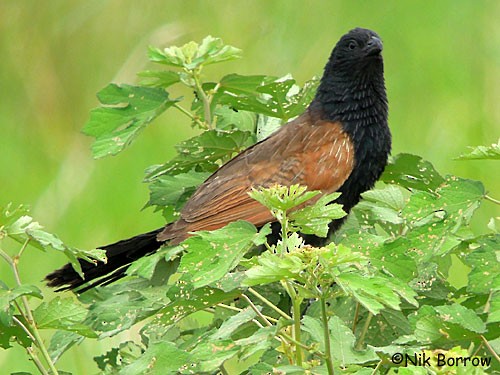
[(353, 80), (356, 51)]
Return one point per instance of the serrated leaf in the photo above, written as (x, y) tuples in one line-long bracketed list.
[(204, 153), (117, 307), (65, 314), (116, 359), (10, 333), (458, 314), (392, 257), (259, 341), (387, 327), (342, 341), (494, 314), (282, 198), (266, 126), (208, 356), (193, 55), (211, 255), (269, 96), (61, 341), (161, 78), (229, 119), (125, 111), (447, 328), (21, 228), (456, 196), (160, 358), (376, 292), (7, 296), (185, 301), (314, 219), (485, 274), (272, 267), (230, 325), (482, 153), (172, 191), (412, 172)]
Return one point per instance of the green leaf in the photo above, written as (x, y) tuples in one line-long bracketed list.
[(203, 153), (482, 153), (160, 358), (272, 267), (172, 191), (270, 96), (210, 255), (314, 219), (10, 333), (387, 327), (375, 292), (266, 126), (230, 119), (7, 296), (446, 325), (494, 314), (412, 172), (282, 198), (65, 314), (117, 358), (233, 323), (260, 341), (485, 274), (21, 227), (125, 111), (342, 341), (161, 79), (456, 196), (208, 356), (185, 301), (193, 55), (392, 257), (61, 341), (458, 314), (117, 307)]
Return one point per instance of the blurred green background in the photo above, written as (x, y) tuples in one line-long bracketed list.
[(442, 72)]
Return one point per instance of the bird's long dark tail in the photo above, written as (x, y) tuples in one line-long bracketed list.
[(120, 254)]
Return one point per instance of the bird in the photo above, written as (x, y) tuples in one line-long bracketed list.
[(340, 143)]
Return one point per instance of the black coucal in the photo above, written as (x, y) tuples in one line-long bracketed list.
[(340, 143)]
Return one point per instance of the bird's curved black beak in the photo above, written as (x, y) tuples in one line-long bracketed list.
[(374, 46)]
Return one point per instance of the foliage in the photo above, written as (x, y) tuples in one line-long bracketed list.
[(382, 288)]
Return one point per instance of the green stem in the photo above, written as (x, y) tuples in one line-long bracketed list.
[(232, 308), (356, 316), (492, 351), (377, 367), (361, 340), (7, 258), (296, 301), (292, 340), (29, 316), (491, 199), (190, 115), (270, 304), (257, 311), (326, 334), (204, 98)]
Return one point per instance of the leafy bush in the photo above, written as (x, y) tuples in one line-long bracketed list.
[(382, 296)]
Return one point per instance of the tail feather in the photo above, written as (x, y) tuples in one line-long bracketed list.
[(120, 254)]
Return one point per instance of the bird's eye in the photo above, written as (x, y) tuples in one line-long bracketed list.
[(352, 45)]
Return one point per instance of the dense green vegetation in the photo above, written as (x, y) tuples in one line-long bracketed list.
[(440, 81)]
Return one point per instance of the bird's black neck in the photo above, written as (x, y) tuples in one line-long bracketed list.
[(355, 101), (359, 103)]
